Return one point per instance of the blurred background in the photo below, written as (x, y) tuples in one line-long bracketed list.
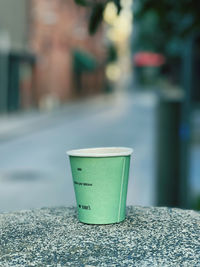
[(83, 73)]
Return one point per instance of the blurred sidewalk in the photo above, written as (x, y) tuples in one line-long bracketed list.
[(18, 124), (34, 169)]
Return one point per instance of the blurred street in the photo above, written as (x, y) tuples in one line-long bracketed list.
[(34, 168), (100, 80)]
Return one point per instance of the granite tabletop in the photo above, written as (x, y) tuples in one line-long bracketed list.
[(54, 237)]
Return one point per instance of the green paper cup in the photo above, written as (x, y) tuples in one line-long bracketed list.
[(100, 177)]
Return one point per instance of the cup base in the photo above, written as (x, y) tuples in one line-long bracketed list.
[(102, 223)]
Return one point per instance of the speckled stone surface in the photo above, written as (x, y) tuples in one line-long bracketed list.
[(54, 237)]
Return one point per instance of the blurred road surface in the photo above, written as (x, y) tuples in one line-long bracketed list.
[(34, 168)]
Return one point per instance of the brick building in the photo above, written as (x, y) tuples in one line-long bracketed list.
[(57, 29)]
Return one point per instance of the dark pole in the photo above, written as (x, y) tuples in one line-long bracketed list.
[(174, 137), (185, 132), (3, 81), (168, 148)]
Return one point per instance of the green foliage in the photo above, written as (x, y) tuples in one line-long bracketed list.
[(180, 17), (97, 8), (118, 6), (81, 2), (175, 20), (112, 53), (96, 17)]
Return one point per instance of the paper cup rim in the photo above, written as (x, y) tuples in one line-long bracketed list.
[(101, 152)]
